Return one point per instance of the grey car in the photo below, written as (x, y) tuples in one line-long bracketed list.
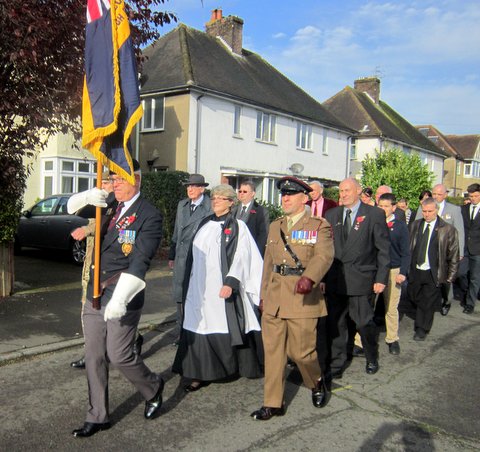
[(48, 225)]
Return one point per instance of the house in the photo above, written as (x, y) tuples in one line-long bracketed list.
[(379, 127), (468, 148), (215, 108)]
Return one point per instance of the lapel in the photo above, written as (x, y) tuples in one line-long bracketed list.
[(112, 235), (358, 226), (197, 213)]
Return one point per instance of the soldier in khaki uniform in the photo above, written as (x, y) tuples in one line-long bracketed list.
[(291, 297)]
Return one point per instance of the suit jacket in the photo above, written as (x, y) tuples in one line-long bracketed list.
[(327, 205), (144, 222), (257, 224), (186, 225), (316, 256), (472, 231), (443, 254), (364, 258)]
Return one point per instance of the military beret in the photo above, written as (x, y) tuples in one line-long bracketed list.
[(290, 185)]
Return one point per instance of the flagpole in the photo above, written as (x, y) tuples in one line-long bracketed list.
[(98, 226)]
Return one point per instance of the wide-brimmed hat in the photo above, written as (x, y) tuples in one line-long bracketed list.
[(196, 179)]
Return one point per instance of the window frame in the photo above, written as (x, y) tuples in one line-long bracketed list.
[(304, 137), (266, 127), (153, 109)]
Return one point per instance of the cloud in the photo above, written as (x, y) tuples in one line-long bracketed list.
[(279, 35)]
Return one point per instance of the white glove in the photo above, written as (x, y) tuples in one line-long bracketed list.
[(127, 287), (95, 196)]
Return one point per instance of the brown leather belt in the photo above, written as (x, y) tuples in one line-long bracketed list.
[(286, 270)]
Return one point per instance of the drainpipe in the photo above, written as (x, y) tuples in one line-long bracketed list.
[(197, 135), (347, 166)]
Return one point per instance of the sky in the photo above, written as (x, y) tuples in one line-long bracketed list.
[(425, 52)]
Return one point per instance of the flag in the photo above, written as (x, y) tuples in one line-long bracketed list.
[(111, 98)]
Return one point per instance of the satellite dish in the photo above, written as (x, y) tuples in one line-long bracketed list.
[(296, 168)]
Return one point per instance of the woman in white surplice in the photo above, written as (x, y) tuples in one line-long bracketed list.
[(217, 339)]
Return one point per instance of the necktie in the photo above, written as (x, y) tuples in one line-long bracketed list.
[(192, 208), (314, 209), (289, 224), (115, 217), (347, 224), (422, 246), (242, 214), (473, 212)]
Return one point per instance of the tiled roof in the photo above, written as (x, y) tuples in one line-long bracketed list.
[(466, 145), (187, 58), (358, 110), (433, 134)]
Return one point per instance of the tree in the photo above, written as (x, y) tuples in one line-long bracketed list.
[(406, 174), (41, 75)]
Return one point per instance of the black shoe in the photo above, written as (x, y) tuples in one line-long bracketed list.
[(419, 335), (468, 309), (357, 351), (265, 413), (336, 374), (320, 394), (291, 364), (445, 308), (90, 428), (79, 364), (153, 405), (137, 345), (394, 348), (372, 367), (196, 385)]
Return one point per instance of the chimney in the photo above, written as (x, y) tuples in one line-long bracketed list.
[(230, 29), (370, 86)]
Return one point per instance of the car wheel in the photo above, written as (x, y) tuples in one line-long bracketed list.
[(78, 251)]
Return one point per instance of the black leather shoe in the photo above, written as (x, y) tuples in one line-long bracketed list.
[(265, 413), (394, 348), (196, 385), (153, 405), (320, 394), (419, 335), (79, 364), (445, 308), (372, 367), (357, 351), (468, 309), (336, 374), (137, 345), (90, 428)]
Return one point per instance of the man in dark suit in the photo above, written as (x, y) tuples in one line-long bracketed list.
[(190, 212), (434, 251), (471, 222), (359, 271), (318, 204), (128, 245), (253, 214)]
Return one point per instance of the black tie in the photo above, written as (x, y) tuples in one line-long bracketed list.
[(242, 214), (473, 213), (422, 246), (115, 217), (347, 224), (192, 208)]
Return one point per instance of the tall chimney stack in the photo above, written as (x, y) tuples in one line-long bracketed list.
[(370, 86), (230, 29)]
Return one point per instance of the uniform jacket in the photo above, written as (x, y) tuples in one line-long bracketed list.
[(278, 291), (257, 224), (327, 205), (443, 251), (186, 226), (364, 259), (146, 222), (472, 231)]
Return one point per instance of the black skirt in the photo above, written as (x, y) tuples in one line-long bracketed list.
[(211, 357)]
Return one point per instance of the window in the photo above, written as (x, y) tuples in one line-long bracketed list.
[(48, 186), (83, 183), (48, 165), (353, 149), (153, 114), (325, 142), (304, 136), (67, 184), (266, 127), (236, 120), (67, 165), (432, 165), (467, 169), (406, 150), (44, 207), (84, 167)]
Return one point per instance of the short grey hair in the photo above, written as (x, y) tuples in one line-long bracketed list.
[(224, 190), (317, 183), (429, 201)]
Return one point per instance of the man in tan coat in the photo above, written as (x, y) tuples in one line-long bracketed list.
[(299, 252)]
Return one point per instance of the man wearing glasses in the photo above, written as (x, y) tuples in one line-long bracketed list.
[(253, 214), (129, 242), (190, 212)]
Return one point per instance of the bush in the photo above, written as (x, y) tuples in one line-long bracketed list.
[(274, 211), (331, 193), (164, 190)]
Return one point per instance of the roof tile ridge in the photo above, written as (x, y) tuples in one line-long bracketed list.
[(355, 95), (186, 60)]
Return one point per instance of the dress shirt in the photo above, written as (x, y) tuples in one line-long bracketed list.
[(426, 264)]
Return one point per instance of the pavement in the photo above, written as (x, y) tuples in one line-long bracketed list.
[(425, 399)]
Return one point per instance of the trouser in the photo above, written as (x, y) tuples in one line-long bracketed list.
[(473, 279), (112, 341), (360, 310), (425, 295), (295, 338)]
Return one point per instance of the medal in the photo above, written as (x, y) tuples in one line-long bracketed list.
[(127, 239), (127, 248)]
